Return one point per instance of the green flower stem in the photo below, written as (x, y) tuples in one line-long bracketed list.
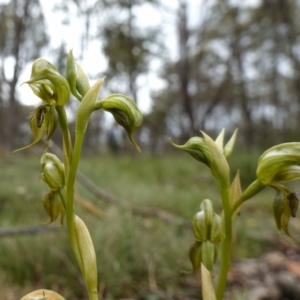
[(70, 202), (254, 188), (62, 194), (71, 160), (69, 198), (226, 245), (92, 291), (67, 143)]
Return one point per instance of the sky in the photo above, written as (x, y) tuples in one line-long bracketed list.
[(69, 34), (94, 61)]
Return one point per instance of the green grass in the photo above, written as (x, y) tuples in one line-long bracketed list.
[(137, 256)]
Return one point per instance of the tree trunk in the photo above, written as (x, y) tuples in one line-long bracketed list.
[(12, 114), (183, 68)]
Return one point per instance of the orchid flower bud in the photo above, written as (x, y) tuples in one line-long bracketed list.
[(54, 207), (125, 112), (207, 224), (77, 79), (52, 171), (48, 84), (43, 294), (285, 205), (43, 121)]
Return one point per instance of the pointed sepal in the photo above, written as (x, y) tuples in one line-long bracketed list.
[(228, 149), (77, 79), (87, 106)]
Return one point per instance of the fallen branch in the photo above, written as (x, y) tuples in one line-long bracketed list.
[(111, 199), (8, 232)]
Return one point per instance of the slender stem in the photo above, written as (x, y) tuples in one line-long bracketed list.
[(67, 143), (226, 245), (62, 194), (92, 290), (254, 188), (67, 196), (70, 199), (71, 159), (93, 295)]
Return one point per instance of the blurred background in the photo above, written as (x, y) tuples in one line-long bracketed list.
[(189, 65)]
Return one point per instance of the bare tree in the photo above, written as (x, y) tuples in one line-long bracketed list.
[(22, 37)]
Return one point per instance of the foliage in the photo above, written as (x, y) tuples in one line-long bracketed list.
[(172, 183)]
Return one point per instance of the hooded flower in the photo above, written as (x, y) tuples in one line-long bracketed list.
[(279, 164), (54, 207), (48, 84), (43, 122), (211, 153), (125, 112)]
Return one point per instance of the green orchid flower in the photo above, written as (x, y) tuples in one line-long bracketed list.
[(48, 84), (43, 122), (54, 207), (277, 165), (125, 112), (212, 154)]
